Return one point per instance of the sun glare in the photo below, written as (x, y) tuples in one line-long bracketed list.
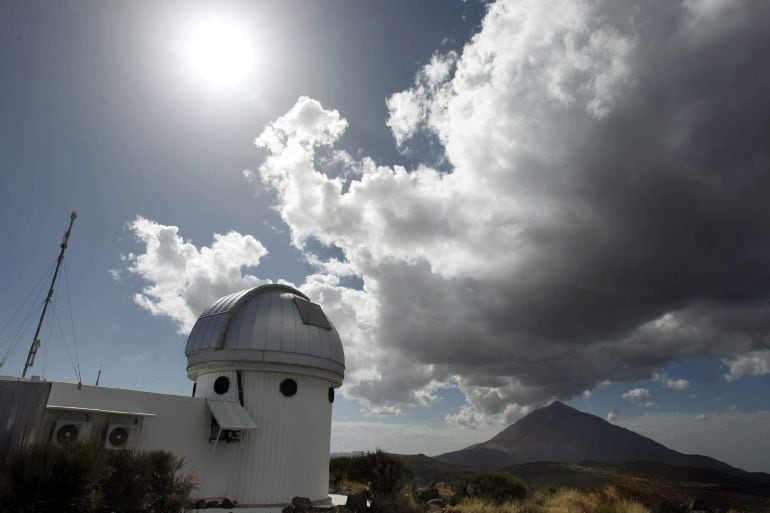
[(219, 52)]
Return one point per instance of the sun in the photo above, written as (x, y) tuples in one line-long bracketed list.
[(219, 51)]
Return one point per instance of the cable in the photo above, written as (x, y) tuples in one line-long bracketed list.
[(72, 321), (31, 292), (64, 340), (47, 340), (18, 332), (66, 346)]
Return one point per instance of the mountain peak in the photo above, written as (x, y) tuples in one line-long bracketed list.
[(559, 432)]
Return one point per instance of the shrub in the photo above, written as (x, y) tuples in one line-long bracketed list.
[(387, 474), (85, 478), (498, 487), (384, 474), (50, 478)]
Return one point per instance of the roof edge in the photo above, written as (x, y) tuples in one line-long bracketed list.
[(247, 294)]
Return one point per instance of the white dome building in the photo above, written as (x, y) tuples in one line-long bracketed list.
[(256, 431), (271, 351)]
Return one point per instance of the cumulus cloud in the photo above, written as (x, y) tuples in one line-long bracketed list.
[(602, 215), (639, 396), (674, 384), (183, 279), (613, 416), (756, 363)]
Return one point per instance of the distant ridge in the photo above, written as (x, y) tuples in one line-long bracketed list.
[(560, 433)]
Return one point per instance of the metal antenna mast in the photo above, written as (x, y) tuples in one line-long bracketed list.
[(35, 340)]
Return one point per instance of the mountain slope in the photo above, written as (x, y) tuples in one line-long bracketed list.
[(563, 434)]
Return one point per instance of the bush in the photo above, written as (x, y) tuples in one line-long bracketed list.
[(498, 487), (45, 478), (85, 478), (384, 474)]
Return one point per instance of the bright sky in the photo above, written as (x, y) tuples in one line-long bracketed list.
[(498, 205)]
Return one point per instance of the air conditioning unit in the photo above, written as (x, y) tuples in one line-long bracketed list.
[(66, 431), (122, 436)]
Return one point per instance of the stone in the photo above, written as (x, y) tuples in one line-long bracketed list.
[(427, 494), (199, 504), (439, 503), (302, 504), (357, 503), (212, 504), (226, 503), (288, 509)]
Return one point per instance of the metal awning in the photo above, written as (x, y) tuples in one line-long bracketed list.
[(231, 416), (98, 410)]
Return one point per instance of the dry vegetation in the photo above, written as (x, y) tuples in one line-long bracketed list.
[(556, 501)]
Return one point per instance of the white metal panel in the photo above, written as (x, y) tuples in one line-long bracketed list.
[(204, 386), (292, 440), (231, 416)]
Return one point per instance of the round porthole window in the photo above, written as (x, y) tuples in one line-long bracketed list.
[(288, 387), (222, 385), (331, 394)]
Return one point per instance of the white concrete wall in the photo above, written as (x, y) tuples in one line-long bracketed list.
[(288, 454)]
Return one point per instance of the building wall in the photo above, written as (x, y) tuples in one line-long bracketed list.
[(288, 454), (22, 405), (181, 425)]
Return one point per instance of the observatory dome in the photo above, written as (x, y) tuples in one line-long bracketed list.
[(271, 327)]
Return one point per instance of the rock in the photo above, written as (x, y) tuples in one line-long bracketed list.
[(226, 503), (212, 504), (199, 504), (357, 503), (288, 509), (302, 504), (427, 494), (439, 503)]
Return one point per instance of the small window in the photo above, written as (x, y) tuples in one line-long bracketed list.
[(222, 385), (288, 387), (331, 394)]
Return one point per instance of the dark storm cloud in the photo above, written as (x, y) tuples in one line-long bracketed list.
[(605, 214)]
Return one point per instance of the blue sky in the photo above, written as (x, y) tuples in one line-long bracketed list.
[(570, 221)]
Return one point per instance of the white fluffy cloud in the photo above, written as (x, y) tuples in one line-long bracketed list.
[(565, 238), (183, 279), (674, 384), (756, 363), (598, 221), (639, 396)]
